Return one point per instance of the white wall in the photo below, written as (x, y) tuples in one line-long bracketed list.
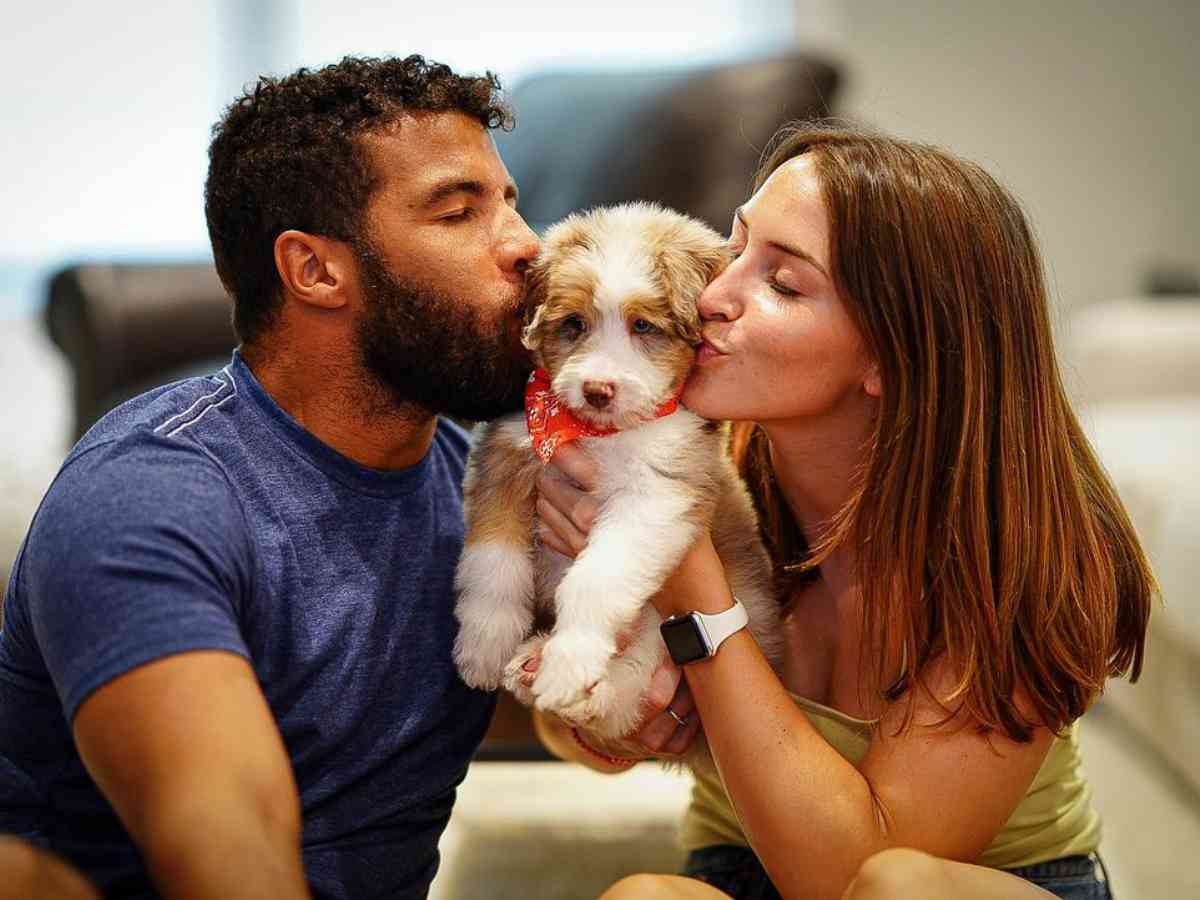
[(107, 108), (1088, 111)]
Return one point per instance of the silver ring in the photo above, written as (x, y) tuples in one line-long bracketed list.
[(674, 715)]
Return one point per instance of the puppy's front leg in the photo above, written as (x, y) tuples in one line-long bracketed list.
[(634, 545), (495, 577)]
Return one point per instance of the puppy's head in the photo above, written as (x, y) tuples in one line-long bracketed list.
[(611, 311)]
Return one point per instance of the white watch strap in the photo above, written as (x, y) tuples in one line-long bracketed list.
[(719, 626)]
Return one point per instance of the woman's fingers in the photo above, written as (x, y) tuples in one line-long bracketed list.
[(671, 722), (679, 742), (554, 485), (557, 531), (575, 465)]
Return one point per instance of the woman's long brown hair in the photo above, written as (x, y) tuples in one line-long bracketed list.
[(984, 526)]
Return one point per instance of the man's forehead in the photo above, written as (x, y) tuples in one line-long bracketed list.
[(426, 150)]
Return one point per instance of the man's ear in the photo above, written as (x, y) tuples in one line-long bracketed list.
[(313, 269)]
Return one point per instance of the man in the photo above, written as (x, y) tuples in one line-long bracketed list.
[(225, 670)]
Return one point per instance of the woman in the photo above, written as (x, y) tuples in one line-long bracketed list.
[(958, 573)]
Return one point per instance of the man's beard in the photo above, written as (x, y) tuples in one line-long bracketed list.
[(440, 352)]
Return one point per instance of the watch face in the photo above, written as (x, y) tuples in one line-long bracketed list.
[(683, 640)]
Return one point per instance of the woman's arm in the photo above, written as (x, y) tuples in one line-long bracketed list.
[(811, 816)]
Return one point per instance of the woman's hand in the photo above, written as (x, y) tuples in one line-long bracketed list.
[(566, 512), (667, 702), (565, 509), (660, 735)]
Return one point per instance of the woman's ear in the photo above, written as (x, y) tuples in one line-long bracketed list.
[(872, 383), (312, 268)]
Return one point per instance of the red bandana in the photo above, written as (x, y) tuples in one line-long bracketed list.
[(551, 422)]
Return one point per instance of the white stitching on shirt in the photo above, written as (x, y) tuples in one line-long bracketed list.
[(203, 412), (187, 412)]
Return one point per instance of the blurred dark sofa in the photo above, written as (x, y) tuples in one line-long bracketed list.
[(689, 138)]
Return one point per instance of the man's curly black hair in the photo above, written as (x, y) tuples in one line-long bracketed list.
[(287, 155)]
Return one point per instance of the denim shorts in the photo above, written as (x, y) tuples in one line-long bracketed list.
[(737, 871)]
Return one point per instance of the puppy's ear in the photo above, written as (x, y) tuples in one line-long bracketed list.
[(535, 304), (690, 259)]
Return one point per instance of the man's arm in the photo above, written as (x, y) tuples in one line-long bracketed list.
[(29, 872), (188, 754)]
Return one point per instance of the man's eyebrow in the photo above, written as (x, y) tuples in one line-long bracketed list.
[(786, 248), (450, 188), (464, 186)]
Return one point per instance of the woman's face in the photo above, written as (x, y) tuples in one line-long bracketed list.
[(778, 343)]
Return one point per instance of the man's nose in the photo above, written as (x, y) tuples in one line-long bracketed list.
[(520, 246)]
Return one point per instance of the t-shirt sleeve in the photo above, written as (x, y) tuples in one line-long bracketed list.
[(139, 551)]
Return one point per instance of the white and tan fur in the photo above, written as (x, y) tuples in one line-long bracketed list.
[(659, 482)]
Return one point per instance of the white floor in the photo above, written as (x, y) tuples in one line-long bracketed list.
[(552, 831)]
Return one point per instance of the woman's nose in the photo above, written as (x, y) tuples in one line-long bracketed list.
[(719, 299)]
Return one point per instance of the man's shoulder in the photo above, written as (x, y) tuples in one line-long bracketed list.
[(163, 413), (454, 438), (135, 463)]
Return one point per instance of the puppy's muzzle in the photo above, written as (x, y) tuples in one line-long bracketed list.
[(599, 393)]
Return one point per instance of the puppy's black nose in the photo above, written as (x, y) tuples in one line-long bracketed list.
[(598, 393)]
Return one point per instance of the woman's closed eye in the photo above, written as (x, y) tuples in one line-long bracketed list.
[(782, 289)]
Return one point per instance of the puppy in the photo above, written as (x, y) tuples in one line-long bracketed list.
[(613, 326)]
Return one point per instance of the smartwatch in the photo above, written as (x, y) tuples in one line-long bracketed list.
[(696, 635)]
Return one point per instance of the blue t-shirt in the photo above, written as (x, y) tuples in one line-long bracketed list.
[(201, 516)]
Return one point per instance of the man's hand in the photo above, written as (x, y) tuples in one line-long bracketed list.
[(187, 752)]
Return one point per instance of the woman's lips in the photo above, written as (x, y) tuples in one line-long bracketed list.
[(707, 353)]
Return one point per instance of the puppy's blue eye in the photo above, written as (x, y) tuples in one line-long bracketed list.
[(572, 327), (641, 326)]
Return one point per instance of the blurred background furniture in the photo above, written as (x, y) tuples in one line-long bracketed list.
[(126, 328), (1133, 367), (689, 138)]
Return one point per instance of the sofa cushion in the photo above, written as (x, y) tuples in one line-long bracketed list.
[(688, 138), (1126, 349)]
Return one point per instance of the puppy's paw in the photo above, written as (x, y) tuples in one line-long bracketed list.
[(572, 663), (481, 652), (594, 707), (522, 669)]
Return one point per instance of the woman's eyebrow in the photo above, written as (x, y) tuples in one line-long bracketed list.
[(786, 248)]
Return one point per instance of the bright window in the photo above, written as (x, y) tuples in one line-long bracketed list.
[(108, 106)]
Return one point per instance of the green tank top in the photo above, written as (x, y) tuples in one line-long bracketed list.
[(1055, 818)]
